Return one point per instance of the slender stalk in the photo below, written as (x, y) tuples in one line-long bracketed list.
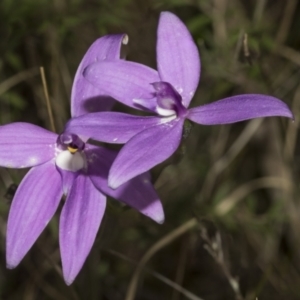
[(42, 71)]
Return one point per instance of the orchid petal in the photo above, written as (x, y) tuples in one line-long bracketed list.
[(138, 193), (67, 178), (80, 220), (24, 145), (239, 108), (85, 97), (110, 127), (123, 80), (145, 150), (178, 60), (33, 206)]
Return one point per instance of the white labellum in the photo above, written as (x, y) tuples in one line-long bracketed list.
[(165, 112), (70, 162)]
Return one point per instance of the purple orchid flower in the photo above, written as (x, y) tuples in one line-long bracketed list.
[(167, 93), (66, 164)]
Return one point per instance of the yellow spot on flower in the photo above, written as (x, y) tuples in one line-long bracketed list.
[(72, 150)]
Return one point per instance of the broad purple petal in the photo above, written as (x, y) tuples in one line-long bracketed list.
[(110, 127), (85, 97), (123, 80), (80, 220), (178, 60), (25, 145), (33, 206), (145, 150), (138, 193), (239, 108)]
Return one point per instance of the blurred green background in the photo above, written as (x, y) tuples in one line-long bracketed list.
[(231, 193)]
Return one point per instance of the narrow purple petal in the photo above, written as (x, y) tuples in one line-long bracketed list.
[(110, 127), (123, 80), (138, 193), (80, 220), (33, 206), (178, 60), (239, 108), (25, 145), (145, 150), (67, 178), (85, 97)]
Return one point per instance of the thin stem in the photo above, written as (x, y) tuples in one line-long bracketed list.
[(47, 98)]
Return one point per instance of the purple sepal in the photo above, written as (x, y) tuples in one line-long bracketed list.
[(25, 145), (80, 220), (178, 60), (110, 127), (123, 80), (239, 108), (85, 97), (144, 151), (138, 193), (33, 206)]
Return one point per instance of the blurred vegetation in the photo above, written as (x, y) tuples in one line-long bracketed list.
[(233, 194)]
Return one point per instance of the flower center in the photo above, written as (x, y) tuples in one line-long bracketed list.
[(72, 149), (71, 156), (169, 102)]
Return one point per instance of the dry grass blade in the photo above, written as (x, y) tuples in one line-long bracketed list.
[(286, 21), (160, 277), (289, 53), (229, 156), (292, 129), (14, 80), (180, 272), (214, 247), (131, 291), (266, 182), (219, 23)]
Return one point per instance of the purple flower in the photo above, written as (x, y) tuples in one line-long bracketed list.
[(65, 164), (167, 93)]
